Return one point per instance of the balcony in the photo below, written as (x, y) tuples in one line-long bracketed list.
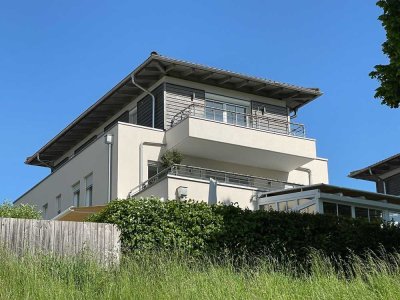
[(234, 186), (257, 122), (237, 138)]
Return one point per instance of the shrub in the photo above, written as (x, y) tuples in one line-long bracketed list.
[(195, 227), (171, 157), (150, 224), (23, 211)]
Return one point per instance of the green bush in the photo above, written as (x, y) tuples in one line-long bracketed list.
[(23, 211), (195, 227), (150, 224)]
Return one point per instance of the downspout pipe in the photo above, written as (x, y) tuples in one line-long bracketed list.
[(109, 140), (308, 171), (153, 99), (42, 162)]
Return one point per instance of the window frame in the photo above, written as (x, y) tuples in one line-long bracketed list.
[(76, 192), (89, 190)]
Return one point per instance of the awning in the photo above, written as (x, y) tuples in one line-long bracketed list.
[(78, 214)]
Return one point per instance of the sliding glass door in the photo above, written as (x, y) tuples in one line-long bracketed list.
[(226, 112)]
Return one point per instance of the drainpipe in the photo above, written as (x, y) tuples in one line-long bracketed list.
[(153, 99), (108, 140), (141, 163), (308, 171), (294, 115), (41, 161)]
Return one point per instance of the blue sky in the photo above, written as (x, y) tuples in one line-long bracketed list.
[(58, 57)]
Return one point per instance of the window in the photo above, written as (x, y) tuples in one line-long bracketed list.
[(89, 190), (153, 168), (375, 215), (44, 210), (226, 112), (361, 212), (76, 195), (330, 208), (214, 111), (133, 116), (344, 210), (58, 201)]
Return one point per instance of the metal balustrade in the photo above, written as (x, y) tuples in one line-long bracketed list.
[(254, 121), (260, 183)]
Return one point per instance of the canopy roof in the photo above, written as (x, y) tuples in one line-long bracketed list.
[(332, 189), (147, 74), (78, 214), (382, 167)]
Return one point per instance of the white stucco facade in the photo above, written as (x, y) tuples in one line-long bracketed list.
[(134, 146)]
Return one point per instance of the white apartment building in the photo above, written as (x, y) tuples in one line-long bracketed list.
[(239, 131), (237, 134)]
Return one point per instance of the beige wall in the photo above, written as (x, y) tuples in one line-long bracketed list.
[(130, 137), (93, 159)]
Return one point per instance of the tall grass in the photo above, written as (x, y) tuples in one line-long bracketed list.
[(174, 276)]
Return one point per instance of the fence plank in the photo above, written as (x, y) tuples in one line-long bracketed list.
[(61, 238)]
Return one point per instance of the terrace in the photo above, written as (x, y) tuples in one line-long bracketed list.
[(190, 175), (235, 118)]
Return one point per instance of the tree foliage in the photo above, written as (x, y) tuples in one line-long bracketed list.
[(389, 75), (23, 211)]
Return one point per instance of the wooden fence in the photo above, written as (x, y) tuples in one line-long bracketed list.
[(61, 238)]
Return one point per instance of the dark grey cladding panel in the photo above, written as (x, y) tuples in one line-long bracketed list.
[(144, 109), (178, 98), (393, 185)]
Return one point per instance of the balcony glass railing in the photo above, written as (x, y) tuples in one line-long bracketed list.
[(260, 183), (258, 122)]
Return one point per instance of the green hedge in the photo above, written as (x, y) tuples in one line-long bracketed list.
[(24, 211), (198, 228)]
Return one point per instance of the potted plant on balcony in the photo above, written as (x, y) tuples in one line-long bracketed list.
[(171, 158)]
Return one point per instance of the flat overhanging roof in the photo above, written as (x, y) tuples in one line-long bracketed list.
[(147, 74), (373, 172), (332, 189)]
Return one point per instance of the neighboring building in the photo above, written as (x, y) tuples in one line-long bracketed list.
[(329, 199), (236, 129), (386, 175)]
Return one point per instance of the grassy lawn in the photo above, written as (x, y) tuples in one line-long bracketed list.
[(176, 277)]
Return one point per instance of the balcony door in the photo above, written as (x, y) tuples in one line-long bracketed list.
[(226, 112)]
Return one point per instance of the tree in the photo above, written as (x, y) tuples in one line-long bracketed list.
[(389, 75)]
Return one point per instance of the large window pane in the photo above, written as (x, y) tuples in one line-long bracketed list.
[(361, 212), (330, 208), (214, 111), (282, 206), (375, 215), (344, 210)]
